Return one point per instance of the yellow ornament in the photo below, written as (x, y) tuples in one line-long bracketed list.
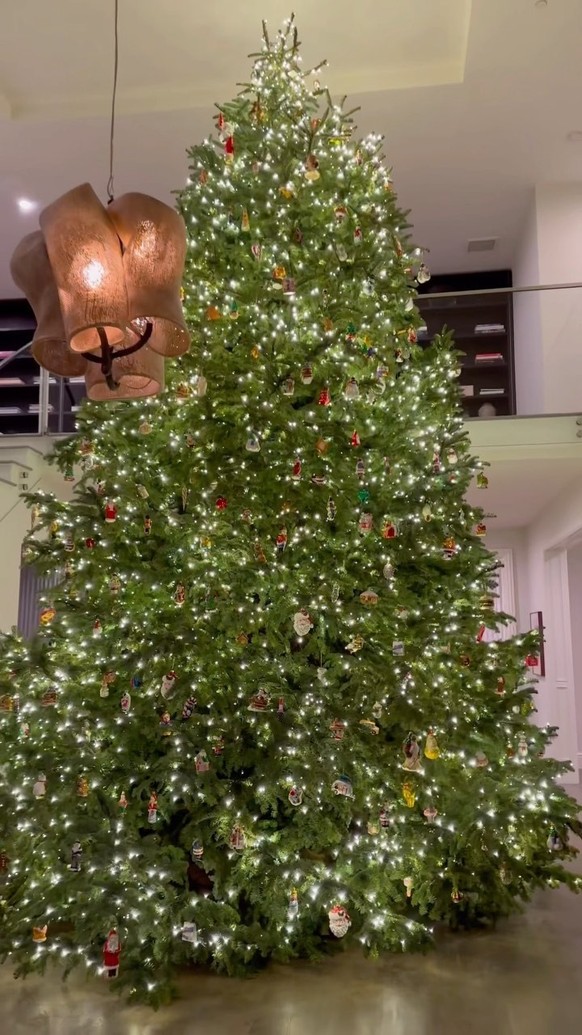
[(212, 313), (373, 829), (287, 192), (408, 795), (255, 352), (431, 748), (279, 273), (47, 615), (83, 787), (205, 541)]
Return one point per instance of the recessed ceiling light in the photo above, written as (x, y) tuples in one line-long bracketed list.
[(574, 136), (26, 205)]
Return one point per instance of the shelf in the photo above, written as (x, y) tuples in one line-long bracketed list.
[(484, 398), (497, 365)]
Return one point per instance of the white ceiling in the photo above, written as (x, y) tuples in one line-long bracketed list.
[(520, 489), (475, 98)]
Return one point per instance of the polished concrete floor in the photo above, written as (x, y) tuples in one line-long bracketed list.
[(525, 978)]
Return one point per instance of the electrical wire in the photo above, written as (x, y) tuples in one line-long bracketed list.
[(110, 194)]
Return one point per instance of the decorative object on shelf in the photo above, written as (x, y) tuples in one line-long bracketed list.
[(536, 623), (104, 285)]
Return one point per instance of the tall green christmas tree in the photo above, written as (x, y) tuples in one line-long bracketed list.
[(261, 714)]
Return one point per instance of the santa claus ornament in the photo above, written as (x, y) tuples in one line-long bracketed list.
[(110, 513), (111, 954), (339, 921), (302, 623), (168, 684)]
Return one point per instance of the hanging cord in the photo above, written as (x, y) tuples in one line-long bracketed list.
[(113, 99)]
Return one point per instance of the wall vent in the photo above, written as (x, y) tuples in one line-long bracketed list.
[(481, 244)]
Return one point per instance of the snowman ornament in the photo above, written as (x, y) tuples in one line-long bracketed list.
[(302, 623), (39, 787)]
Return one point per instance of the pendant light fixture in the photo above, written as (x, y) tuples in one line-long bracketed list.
[(104, 285)]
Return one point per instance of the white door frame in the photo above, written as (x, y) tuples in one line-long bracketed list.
[(559, 680)]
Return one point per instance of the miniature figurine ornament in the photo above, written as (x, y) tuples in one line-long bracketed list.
[(339, 921), (111, 954)]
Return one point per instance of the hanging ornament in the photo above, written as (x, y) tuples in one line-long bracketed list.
[(358, 236), (355, 440), (302, 623), (369, 598), (165, 723), (110, 512), (366, 522), (49, 698), (330, 510), (360, 469), (47, 615), (188, 709), (452, 457), (39, 933), (335, 592), (427, 512), (423, 273), (377, 710), (147, 525), (327, 325), (355, 645), (500, 688), (411, 336), (522, 746), (293, 907), (287, 191), (114, 584), (288, 386), (289, 287), (449, 548), (229, 150), (180, 594), (111, 954), (145, 428), (197, 849), (430, 813), (481, 760), (324, 397), (279, 273), (259, 553), (153, 808), (389, 529), (54, 529), (397, 648), (260, 701), (322, 446), (431, 748), (237, 839), (532, 660), (296, 469), (221, 503), (311, 173), (295, 796), (39, 786), (554, 842), (306, 375), (233, 310), (82, 787), (125, 703), (408, 795), (281, 540), (245, 223), (297, 235), (411, 749), (343, 787), (252, 444), (363, 496), (338, 729), (123, 802), (76, 856), (482, 480), (183, 390), (212, 313), (456, 895), (339, 921), (256, 251), (200, 385), (436, 460), (370, 726), (201, 762), (218, 745), (385, 817), (168, 684), (341, 252), (388, 571), (340, 212), (352, 389), (142, 492), (189, 933), (322, 675)]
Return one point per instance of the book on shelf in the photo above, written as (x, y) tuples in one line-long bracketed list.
[(489, 328), (467, 390), (491, 391), (489, 357)]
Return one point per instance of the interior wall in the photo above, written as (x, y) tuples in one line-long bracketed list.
[(527, 319), (575, 589), (514, 539)]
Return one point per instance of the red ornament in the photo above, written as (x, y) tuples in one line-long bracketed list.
[(229, 148), (325, 397), (412, 338), (296, 470), (89, 543), (111, 954), (481, 633), (355, 439), (389, 530), (221, 503), (532, 661), (110, 512)]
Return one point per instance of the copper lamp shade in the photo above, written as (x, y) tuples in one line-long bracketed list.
[(153, 236), (104, 284), (32, 273), (84, 253), (138, 375)]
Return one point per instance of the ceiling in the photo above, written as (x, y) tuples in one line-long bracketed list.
[(520, 489), (475, 99)]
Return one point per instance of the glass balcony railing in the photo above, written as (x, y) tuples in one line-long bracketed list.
[(521, 357)]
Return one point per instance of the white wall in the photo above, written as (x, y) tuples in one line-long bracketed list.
[(575, 588), (548, 325), (15, 517), (514, 539)]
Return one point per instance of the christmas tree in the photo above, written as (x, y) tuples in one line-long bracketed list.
[(261, 713)]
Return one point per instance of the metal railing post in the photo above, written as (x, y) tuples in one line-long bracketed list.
[(43, 402)]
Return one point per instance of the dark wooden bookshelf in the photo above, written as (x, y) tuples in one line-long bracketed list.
[(462, 313)]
